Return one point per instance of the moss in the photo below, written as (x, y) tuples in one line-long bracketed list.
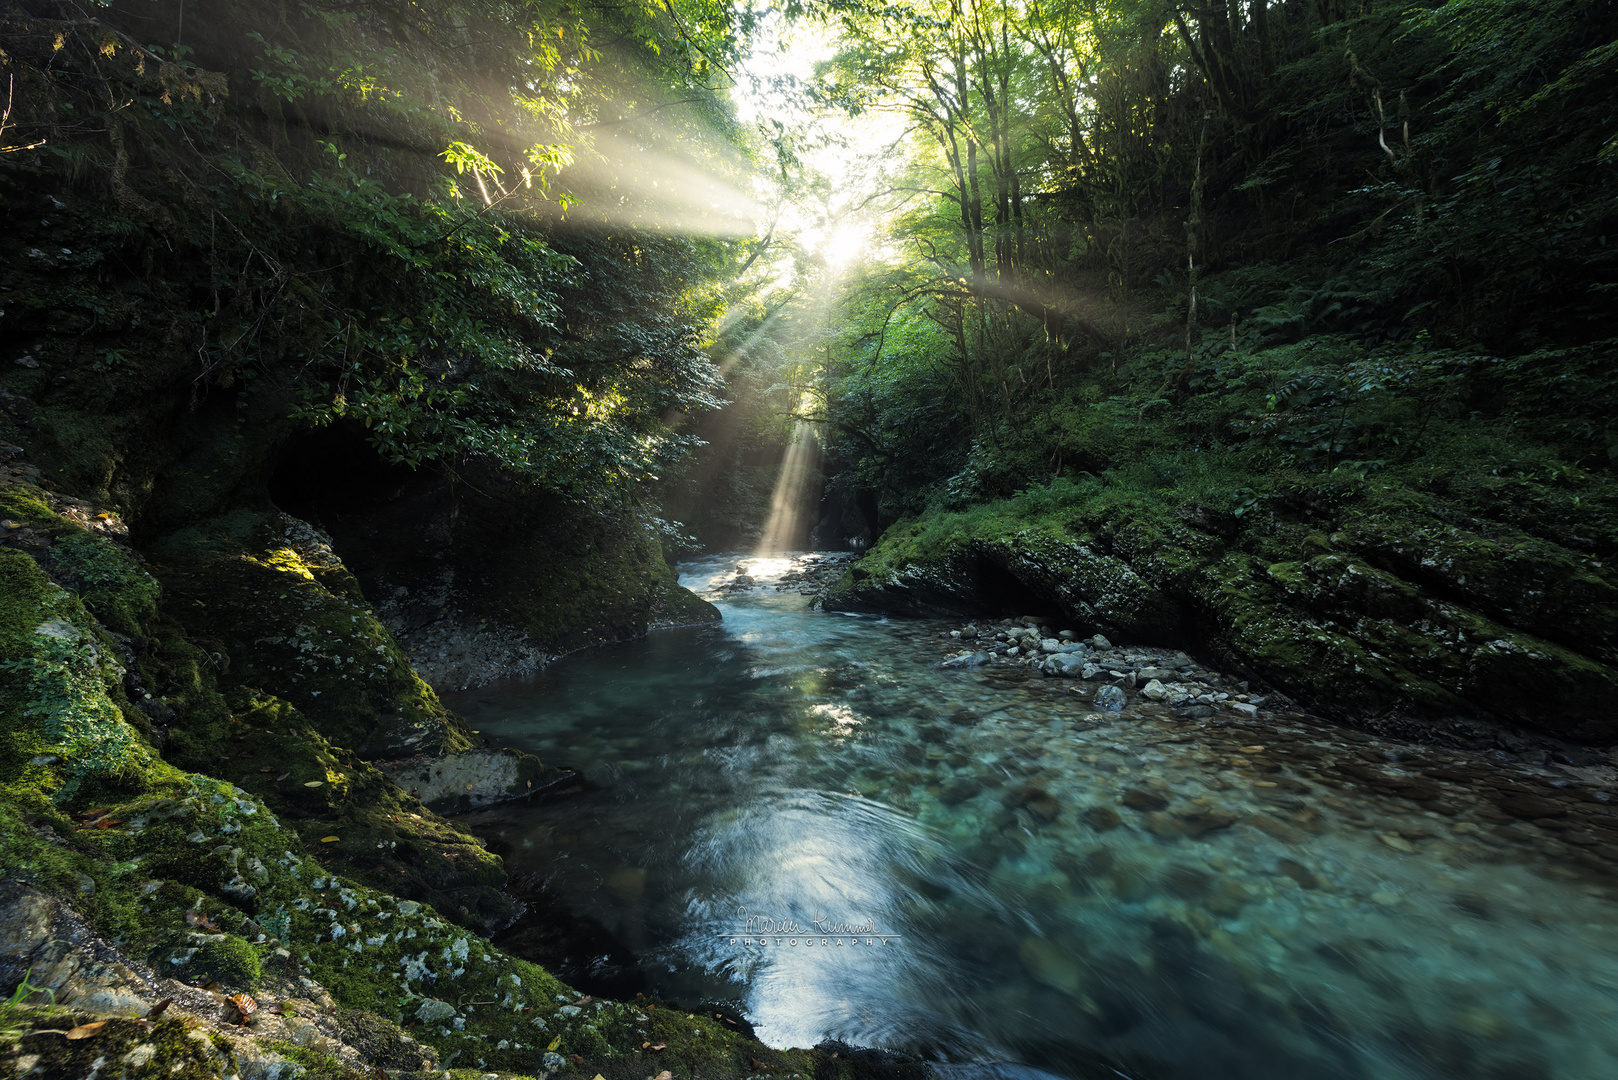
[(169, 1049), (278, 622), (121, 595)]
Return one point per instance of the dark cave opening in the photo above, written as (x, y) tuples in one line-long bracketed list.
[(327, 473)]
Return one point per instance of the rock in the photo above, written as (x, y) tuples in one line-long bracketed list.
[(1142, 800), (1110, 699), (1397, 843), (959, 790), (967, 660), (1063, 665), (1244, 707), (1102, 818), (432, 1011), (1049, 645), (1531, 806), (1155, 691), (1068, 635), (1100, 642), (1297, 872), (474, 779), (1157, 673)]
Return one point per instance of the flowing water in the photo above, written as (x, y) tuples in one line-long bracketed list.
[(800, 815)]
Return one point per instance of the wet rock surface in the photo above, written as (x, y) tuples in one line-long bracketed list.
[(1405, 630)]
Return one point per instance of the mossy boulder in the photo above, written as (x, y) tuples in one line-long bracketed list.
[(283, 612)]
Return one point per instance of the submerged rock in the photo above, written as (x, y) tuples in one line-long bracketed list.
[(1110, 699)]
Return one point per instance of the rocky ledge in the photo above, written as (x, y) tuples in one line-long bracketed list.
[(1413, 624)]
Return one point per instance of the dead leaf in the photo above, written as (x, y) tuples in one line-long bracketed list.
[(757, 1064), (585, 1000), (282, 777), (268, 768), (330, 839), (664, 1075), (555, 1043), (244, 1005), (313, 783), (577, 1059), (157, 1010), (197, 918), (83, 815), (86, 1031), (660, 1046)]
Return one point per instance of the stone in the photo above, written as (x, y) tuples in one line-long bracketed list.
[(1063, 665), (1397, 843), (1102, 818), (1297, 872), (1100, 642), (431, 1011), (968, 660), (1068, 635), (1531, 806), (1140, 799), (1110, 699), (1155, 691)]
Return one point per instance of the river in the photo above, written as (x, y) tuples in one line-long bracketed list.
[(800, 817)]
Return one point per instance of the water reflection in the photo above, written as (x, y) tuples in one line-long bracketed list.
[(1148, 897)]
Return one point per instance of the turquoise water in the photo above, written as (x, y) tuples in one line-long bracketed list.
[(1142, 894)]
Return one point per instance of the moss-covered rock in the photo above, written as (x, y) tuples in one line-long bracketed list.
[(285, 613), (1360, 607)]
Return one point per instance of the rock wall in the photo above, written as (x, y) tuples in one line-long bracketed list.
[(1369, 615)]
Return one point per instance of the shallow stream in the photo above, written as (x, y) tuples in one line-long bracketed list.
[(1019, 878)]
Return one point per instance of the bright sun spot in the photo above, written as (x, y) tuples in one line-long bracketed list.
[(847, 243)]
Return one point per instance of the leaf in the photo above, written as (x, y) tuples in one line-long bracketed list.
[(157, 1010), (313, 783), (660, 1046), (577, 1059), (197, 918), (86, 1031), (330, 839), (244, 1004), (664, 1075), (555, 1043)]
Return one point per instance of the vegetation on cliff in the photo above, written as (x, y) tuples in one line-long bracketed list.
[(1296, 312)]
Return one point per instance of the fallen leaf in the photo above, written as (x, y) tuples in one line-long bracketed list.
[(660, 1046), (197, 918), (330, 839), (244, 1005), (585, 1000), (757, 1064), (664, 1075), (268, 768), (157, 1010), (85, 1031), (577, 1059), (313, 783), (83, 814), (282, 777), (555, 1043)]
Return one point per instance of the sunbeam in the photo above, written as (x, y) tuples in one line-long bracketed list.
[(786, 528)]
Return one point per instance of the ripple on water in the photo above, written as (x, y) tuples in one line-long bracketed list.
[(1162, 897)]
